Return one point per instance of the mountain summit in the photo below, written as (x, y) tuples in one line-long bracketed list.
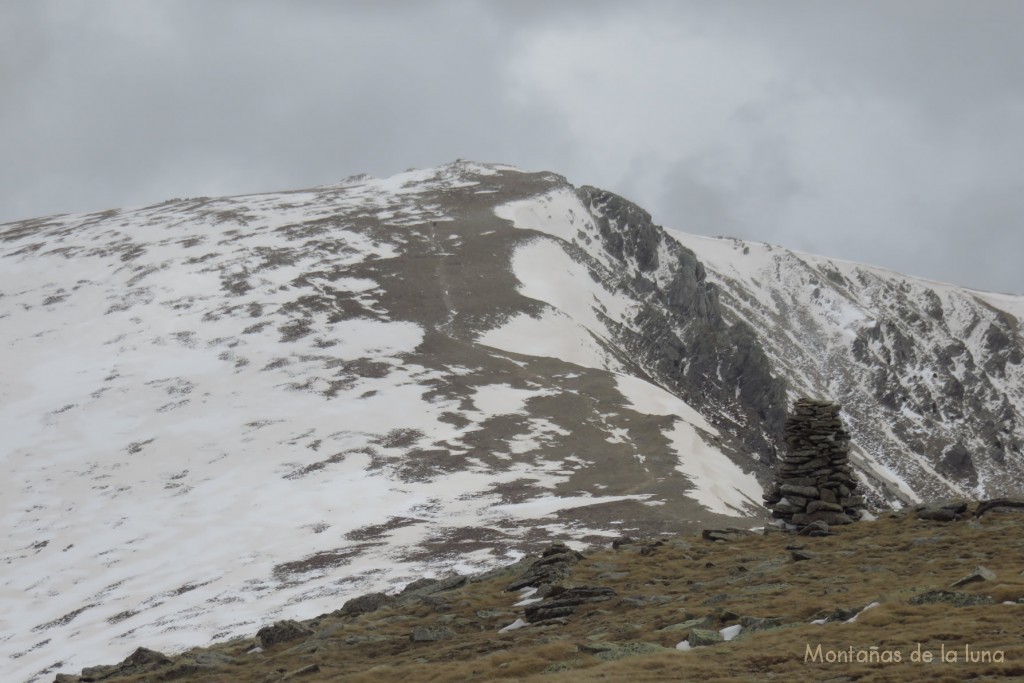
[(218, 412)]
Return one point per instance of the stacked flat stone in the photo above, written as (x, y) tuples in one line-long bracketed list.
[(814, 482)]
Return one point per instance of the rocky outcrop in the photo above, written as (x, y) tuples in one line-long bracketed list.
[(999, 505), (141, 661), (680, 336), (555, 563), (941, 511), (424, 587), (690, 594), (363, 604), (281, 632), (815, 483), (564, 602), (933, 371)]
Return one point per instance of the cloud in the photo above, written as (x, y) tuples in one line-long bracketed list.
[(809, 130), (202, 98), (881, 132)]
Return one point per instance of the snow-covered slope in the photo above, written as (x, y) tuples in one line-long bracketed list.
[(219, 412), (222, 412), (930, 375)]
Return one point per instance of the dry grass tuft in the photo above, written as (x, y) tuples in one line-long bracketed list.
[(893, 562)]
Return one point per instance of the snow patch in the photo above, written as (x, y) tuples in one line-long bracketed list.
[(651, 399), (718, 483), (558, 213), (552, 334), (542, 507)]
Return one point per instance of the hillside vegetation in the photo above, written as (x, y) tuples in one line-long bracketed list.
[(902, 598)]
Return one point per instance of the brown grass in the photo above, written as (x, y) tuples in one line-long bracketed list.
[(888, 561)]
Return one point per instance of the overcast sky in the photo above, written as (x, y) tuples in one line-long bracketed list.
[(886, 132)]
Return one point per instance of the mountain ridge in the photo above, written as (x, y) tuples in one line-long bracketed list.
[(325, 392)]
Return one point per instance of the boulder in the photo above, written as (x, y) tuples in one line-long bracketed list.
[(941, 511), (363, 604), (281, 632), (704, 636), (999, 505), (565, 603), (979, 574), (554, 564), (144, 659)]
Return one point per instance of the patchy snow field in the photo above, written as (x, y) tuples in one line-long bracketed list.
[(215, 415), (223, 412)]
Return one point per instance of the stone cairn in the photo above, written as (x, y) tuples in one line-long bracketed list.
[(815, 483)]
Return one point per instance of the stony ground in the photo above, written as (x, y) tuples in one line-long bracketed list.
[(903, 598)]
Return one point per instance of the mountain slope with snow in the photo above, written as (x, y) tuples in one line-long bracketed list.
[(222, 412), (930, 375)]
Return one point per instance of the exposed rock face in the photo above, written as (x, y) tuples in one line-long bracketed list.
[(815, 482), (680, 335), (922, 368)]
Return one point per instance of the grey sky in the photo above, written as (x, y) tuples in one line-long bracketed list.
[(887, 132)]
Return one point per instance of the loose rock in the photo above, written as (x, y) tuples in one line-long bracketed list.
[(979, 574), (565, 603), (704, 636)]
